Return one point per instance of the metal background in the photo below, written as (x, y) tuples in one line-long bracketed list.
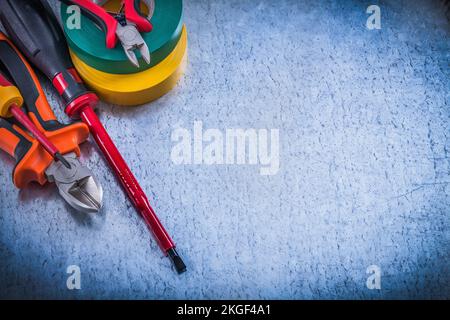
[(364, 179)]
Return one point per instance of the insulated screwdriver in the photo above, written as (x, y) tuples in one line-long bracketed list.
[(33, 27), (10, 102)]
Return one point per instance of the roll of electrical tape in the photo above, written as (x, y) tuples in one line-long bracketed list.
[(88, 41), (138, 88)]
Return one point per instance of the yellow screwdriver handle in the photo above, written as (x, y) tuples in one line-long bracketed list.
[(9, 95)]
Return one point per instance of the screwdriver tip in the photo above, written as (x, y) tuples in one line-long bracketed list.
[(176, 260), (59, 157)]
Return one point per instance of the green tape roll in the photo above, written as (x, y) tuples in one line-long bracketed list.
[(137, 88), (88, 42)]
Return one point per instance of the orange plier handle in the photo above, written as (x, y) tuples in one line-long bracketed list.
[(32, 159)]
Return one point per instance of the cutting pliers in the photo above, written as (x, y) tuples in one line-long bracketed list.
[(75, 182), (125, 26)]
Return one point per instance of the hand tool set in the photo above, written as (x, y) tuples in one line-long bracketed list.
[(75, 182), (33, 28)]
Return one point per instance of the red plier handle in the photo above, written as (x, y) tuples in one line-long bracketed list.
[(100, 17), (134, 14), (107, 22)]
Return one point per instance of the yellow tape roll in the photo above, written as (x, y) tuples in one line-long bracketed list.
[(139, 88)]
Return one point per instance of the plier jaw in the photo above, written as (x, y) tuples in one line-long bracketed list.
[(132, 40), (76, 185)]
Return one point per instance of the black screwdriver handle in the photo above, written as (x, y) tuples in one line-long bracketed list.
[(33, 27)]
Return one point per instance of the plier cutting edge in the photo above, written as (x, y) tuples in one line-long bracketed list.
[(125, 26)]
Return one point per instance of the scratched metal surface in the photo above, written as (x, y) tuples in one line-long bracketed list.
[(364, 178)]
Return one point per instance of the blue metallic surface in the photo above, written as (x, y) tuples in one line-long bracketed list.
[(364, 175)]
